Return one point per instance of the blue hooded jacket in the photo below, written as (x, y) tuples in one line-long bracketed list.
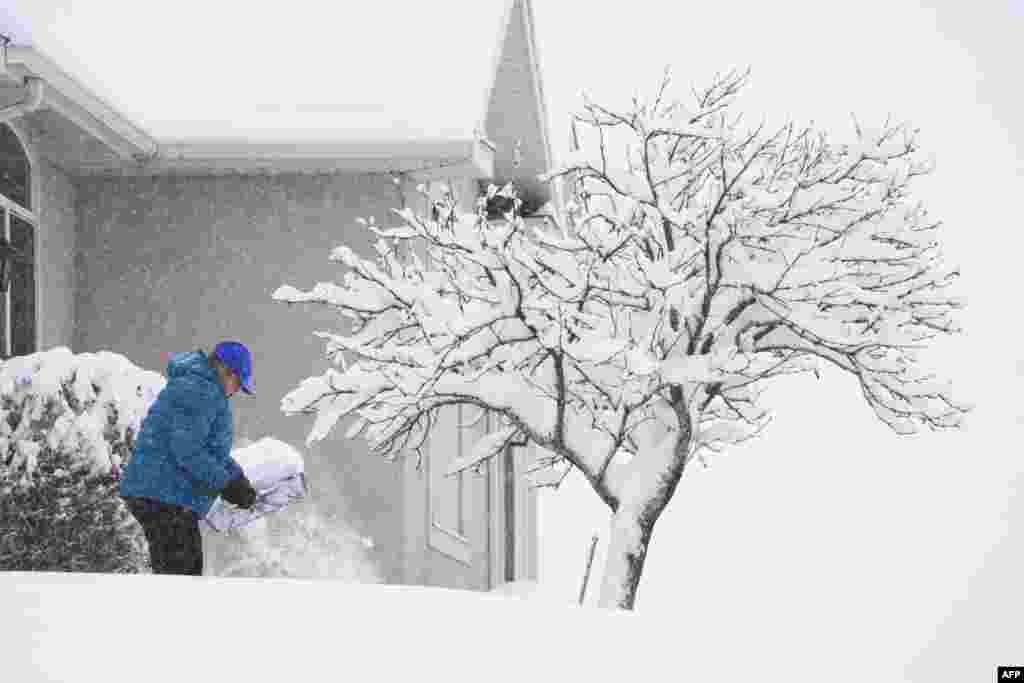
[(182, 454)]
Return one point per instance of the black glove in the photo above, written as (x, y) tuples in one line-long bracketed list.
[(240, 492)]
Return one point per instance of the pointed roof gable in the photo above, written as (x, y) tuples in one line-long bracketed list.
[(516, 113)]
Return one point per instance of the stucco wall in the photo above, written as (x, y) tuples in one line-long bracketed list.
[(176, 263), (57, 221), (53, 201)]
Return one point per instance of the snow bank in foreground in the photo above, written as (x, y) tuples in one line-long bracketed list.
[(176, 629), (170, 629), (532, 590)]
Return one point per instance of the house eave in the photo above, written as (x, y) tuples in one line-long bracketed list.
[(65, 95), (137, 153), (421, 158)]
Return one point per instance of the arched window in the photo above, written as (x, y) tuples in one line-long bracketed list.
[(18, 302)]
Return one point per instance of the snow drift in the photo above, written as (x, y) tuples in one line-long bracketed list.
[(168, 629)]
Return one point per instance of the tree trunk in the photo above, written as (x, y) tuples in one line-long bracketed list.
[(627, 550), (636, 510)]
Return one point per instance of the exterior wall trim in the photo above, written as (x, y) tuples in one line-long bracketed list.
[(35, 194), (75, 102)]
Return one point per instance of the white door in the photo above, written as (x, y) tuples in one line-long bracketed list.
[(456, 504), (448, 539)]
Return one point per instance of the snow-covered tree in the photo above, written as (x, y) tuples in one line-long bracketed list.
[(67, 424), (636, 330)]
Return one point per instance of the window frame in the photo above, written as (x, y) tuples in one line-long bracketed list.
[(9, 207)]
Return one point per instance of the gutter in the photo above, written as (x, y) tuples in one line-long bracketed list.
[(71, 99), (33, 100), (423, 158)]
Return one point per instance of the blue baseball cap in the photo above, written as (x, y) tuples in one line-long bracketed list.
[(235, 356)]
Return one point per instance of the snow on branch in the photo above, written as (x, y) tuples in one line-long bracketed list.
[(489, 446)]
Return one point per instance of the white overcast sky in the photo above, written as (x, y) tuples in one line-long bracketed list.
[(831, 535)]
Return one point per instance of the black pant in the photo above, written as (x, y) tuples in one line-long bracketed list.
[(175, 544)]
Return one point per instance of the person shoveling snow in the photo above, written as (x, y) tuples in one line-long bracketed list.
[(182, 458)]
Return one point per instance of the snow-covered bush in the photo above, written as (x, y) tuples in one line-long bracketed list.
[(67, 424)]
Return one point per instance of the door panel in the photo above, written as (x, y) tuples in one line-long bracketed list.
[(448, 538), (451, 504)]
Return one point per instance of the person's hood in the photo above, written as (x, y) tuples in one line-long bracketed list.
[(191, 363)]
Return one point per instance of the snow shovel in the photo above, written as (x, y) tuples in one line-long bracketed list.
[(224, 516)]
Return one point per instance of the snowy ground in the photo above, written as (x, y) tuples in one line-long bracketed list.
[(152, 629), (156, 629)]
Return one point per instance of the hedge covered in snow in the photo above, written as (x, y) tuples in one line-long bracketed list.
[(67, 425)]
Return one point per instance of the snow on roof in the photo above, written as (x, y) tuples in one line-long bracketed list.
[(266, 72)]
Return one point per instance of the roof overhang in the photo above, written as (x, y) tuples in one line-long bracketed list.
[(105, 141), (420, 158), (63, 94), (134, 152)]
